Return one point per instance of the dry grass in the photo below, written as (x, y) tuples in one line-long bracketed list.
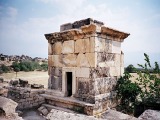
[(34, 77), (133, 79)]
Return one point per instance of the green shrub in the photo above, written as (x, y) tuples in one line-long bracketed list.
[(146, 91), (127, 93), (44, 66), (4, 69), (26, 66), (149, 82)]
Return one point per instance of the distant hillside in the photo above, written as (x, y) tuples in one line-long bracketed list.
[(9, 63), (9, 59)]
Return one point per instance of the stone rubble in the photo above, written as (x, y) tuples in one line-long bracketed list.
[(150, 115), (26, 97), (43, 110), (61, 115), (56, 114), (8, 106)]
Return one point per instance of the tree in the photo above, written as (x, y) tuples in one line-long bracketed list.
[(150, 82), (130, 68), (16, 69)]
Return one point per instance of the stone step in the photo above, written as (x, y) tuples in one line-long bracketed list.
[(50, 107), (54, 93), (69, 103)]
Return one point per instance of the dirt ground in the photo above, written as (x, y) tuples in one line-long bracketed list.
[(34, 77)]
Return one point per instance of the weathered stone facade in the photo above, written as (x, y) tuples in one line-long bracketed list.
[(85, 60)]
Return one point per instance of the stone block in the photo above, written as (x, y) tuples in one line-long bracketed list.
[(92, 44), (87, 45), (56, 82), (69, 60), (116, 47), (108, 46), (68, 47), (50, 52), (7, 105), (83, 87), (43, 110), (100, 44), (79, 46), (122, 60), (104, 85), (92, 59), (66, 26), (83, 72), (56, 71), (49, 70), (150, 115), (117, 60), (50, 60), (105, 57), (99, 72), (122, 71), (89, 28), (106, 64), (108, 60), (82, 61), (115, 71), (57, 48), (57, 60)]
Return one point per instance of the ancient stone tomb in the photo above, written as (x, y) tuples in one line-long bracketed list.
[(85, 60)]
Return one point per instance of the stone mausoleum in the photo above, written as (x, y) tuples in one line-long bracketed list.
[(85, 60)]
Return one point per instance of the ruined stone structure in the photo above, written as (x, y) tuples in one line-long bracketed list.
[(85, 60)]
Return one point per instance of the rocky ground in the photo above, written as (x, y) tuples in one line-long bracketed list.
[(109, 115), (33, 77)]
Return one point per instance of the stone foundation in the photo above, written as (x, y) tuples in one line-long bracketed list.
[(26, 97)]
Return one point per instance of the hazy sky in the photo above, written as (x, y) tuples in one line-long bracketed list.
[(23, 24)]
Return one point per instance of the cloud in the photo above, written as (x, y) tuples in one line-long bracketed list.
[(12, 12), (47, 1)]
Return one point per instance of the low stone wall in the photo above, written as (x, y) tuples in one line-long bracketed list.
[(26, 97)]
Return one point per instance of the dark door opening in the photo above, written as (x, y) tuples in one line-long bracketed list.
[(69, 83)]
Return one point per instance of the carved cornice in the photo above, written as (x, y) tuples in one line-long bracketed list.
[(86, 30), (114, 33)]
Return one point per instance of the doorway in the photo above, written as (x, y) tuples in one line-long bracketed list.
[(69, 83)]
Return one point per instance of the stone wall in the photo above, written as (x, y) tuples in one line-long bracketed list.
[(26, 97), (100, 56)]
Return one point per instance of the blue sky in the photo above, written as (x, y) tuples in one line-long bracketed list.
[(23, 24)]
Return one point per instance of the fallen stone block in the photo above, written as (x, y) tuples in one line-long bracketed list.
[(150, 115), (115, 115), (43, 110), (14, 82), (3, 91), (23, 83), (7, 105)]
